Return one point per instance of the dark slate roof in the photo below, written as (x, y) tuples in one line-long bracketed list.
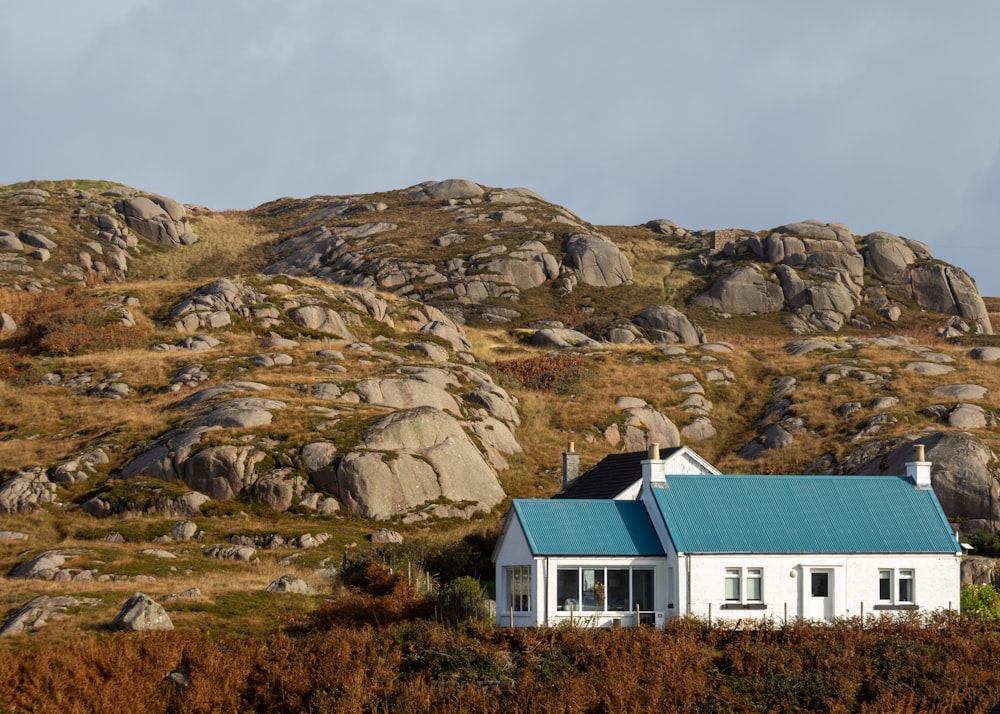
[(802, 514), (587, 527), (611, 475)]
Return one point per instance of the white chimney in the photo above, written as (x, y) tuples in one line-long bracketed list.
[(570, 466), (919, 470), (653, 467)]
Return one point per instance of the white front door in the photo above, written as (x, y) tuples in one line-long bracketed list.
[(821, 594)]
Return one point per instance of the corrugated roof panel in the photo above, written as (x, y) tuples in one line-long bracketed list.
[(803, 514), (587, 527)]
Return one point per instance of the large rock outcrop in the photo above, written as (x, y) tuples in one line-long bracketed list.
[(668, 324), (961, 474), (596, 260), (457, 270), (41, 610), (222, 471), (743, 292), (25, 491), (157, 218), (411, 459), (817, 272)]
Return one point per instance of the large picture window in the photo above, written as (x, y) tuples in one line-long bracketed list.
[(604, 589), (519, 588)]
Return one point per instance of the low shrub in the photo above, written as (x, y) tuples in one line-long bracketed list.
[(463, 598), (981, 601), (549, 373), (985, 543), (942, 665), (67, 322)]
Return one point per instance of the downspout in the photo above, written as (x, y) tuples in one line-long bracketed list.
[(545, 612), (687, 577)]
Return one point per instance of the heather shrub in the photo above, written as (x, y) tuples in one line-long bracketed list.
[(549, 373), (942, 664), (68, 322)]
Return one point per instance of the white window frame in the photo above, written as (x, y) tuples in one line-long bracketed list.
[(750, 575), (906, 575), (742, 577), (516, 595), (579, 599), (897, 576), (885, 575), (734, 581)]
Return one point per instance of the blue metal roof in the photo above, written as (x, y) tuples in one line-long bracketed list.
[(587, 527), (802, 514)]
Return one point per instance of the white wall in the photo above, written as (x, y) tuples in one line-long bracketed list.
[(514, 550), (786, 584), (682, 462), (685, 462)]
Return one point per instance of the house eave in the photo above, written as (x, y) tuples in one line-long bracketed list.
[(599, 555), (818, 552)]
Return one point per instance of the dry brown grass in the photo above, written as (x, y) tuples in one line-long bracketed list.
[(231, 244)]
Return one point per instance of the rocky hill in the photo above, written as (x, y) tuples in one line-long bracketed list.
[(295, 377)]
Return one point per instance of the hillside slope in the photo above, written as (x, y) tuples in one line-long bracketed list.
[(329, 365)]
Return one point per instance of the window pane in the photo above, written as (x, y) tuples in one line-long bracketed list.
[(520, 588), (885, 585), (642, 589), (755, 577), (820, 584), (593, 589), (618, 589), (732, 584), (906, 586), (568, 589)]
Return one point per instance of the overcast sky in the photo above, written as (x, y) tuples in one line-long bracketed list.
[(881, 115)]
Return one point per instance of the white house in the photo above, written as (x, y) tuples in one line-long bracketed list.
[(729, 547)]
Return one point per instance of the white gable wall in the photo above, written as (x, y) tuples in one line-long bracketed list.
[(686, 462), (514, 550)]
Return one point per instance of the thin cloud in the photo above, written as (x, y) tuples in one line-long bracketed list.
[(712, 114)]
